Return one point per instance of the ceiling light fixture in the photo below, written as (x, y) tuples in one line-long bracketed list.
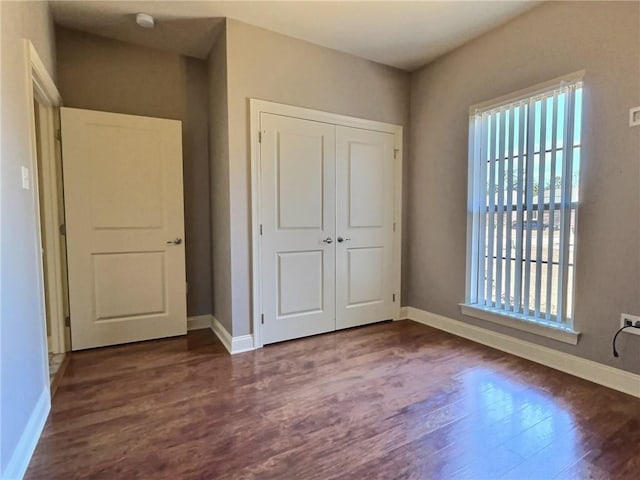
[(145, 20)]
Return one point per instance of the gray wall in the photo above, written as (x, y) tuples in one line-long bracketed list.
[(274, 67), (219, 165), (546, 42), (23, 378), (97, 73)]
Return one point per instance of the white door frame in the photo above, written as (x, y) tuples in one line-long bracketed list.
[(261, 106), (42, 89)]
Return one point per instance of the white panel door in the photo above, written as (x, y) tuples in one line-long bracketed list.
[(364, 226), (297, 170), (125, 225)]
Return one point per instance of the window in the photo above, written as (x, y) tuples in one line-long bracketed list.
[(524, 164)]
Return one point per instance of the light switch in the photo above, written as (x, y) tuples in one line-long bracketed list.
[(26, 183), (634, 117)]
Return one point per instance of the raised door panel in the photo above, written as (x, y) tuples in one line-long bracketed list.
[(365, 275), (300, 283), (300, 181), (365, 185), (127, 285), (126, 178)]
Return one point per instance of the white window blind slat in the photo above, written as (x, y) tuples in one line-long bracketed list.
[(522, 144), (565, 203), (542, 138), (491, 203), (552, 201), (482, 234), (500, 211), (529, 206), (509, 214)]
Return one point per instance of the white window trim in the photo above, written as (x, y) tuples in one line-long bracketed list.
[(528, 92), (563, 332), (556, 331)]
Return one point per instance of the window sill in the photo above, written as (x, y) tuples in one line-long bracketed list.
[(560, 333)]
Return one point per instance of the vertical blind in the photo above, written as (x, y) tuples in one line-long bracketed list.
[(524, 160)]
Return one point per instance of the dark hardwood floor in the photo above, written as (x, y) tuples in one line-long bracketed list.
[(388, 401)]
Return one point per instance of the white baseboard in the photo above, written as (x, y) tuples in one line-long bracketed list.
[(19, 461), (223, 335), (611, 377), (242, 343), (198, 322)]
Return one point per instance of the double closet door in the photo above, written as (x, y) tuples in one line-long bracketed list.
[(327, 227)]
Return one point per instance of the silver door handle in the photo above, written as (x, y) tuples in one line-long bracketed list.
[(328, 240), (340, 239), (176, 241)]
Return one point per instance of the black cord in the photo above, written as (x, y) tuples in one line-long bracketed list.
[(615, 352)]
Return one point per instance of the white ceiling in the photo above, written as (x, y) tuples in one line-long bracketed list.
[(402, 34)]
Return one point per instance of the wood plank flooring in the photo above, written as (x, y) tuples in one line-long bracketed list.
[(388, 401)]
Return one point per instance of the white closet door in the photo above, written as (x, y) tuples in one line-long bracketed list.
[(364, 226), (298, 221), (124, 214)]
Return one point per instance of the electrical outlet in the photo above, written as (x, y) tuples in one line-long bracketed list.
[(634, 320), (634, 117)]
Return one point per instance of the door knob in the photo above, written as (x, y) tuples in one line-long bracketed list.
[(340, 239), (328, 240), (176, 241)]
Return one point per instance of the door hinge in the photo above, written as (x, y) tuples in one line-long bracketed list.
[(394, 297), (262, 318), (394, 226), (259, 136), (58, 135), (395, 153), (63, 229), (260, 229), (67, 321)]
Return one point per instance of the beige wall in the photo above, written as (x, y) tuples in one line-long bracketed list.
[(219, 165), (274, 67), (97, 73), (22, 337), (548, 41)]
